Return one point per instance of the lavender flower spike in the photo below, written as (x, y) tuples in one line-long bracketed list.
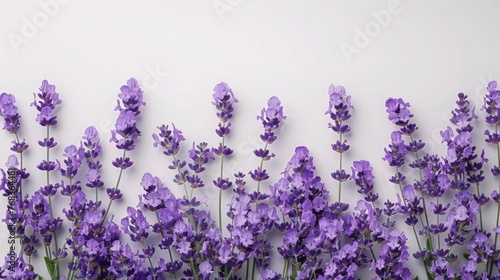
[(8, 111), (49, 99), (272, 116), (129, 104), (224, 100), (339, 108)]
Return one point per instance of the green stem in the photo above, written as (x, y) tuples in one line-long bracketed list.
[(50, 206), (498, 208), (248, 268), (404, 202), (229, 275), (439, 234), (193, 269), (261, 166), (116, 187), (400, 186), (253, 268), (496, 236), (21, 166), (172, 260), (340, 168), (221, 174), (427, 219), (373, 254), (480, 207), (220, 211), (421, 180), (183, 179), (285, 269)]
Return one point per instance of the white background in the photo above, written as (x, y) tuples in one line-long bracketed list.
[(425, 52)]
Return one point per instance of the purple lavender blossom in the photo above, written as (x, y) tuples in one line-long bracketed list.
[(392, 258), (492, 103), (135, 225), (363, 177), (399, 114), (300, 196), (224, 101), (129, 107), (272, 116), (131, 97), (339, 108), (169, 139), (8, 111), (395, 156), (19, 271), (200, 156), (49, 99), (92, 150), (73, 161)]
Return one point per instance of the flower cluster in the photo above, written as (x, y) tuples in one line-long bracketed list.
[(126, 129), (440, 203), (8, 111)]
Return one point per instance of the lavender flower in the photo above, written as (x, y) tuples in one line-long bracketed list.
[(224, 101), (363, 177), (272, 116), (392, 258), (399, 114), (300, 195), (74, 158), (8, 111), (92, 150), (339, 111), (125, 127), (49, 99), (131, 97), (492, 103), (135, 225), (170, 140)]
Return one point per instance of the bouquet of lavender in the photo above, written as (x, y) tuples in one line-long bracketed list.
[(291, 218)]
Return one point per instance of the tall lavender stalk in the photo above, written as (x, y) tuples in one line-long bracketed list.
[(491, 106), (12, 124), (47, 101), (224, 103), (339, 107), (126, 133), (271, 116)]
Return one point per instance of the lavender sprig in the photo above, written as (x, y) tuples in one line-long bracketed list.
[(12, 124), (272, 116), (224, 101), (48, 100), (170, 140), (339, 108), (491, 105), (92, 151), (125, 133)]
